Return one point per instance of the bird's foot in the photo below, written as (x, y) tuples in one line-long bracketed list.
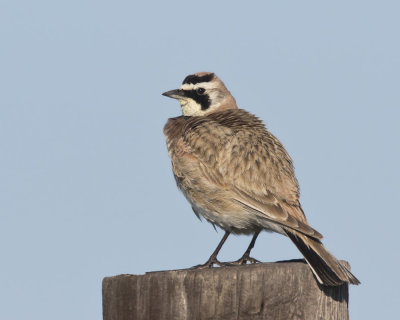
[(209, 264), (242, 261)]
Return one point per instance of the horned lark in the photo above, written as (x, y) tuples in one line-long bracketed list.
[(238, 176)]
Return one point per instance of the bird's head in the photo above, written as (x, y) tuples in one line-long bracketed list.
[(202, 93)]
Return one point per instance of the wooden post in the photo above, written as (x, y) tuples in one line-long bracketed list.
[(280, 290)]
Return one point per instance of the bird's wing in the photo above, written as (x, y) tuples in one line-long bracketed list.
[(254, 167)]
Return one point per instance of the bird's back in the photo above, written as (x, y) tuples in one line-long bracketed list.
[(230, 155)]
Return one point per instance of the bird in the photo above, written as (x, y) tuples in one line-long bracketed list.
[(239, 177)]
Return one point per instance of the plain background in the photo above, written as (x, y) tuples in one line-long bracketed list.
[(86, 189)]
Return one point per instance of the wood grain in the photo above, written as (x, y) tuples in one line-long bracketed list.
[(280, 290)]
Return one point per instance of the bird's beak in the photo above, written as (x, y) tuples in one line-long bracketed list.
[(175, 94)]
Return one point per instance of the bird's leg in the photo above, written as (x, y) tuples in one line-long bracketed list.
[(246, 256), (213, 258)]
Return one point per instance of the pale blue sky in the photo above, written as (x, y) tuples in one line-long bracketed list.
[(86, 189)]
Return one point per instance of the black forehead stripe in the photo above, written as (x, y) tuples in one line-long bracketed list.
[(193, 79), (203, 99)]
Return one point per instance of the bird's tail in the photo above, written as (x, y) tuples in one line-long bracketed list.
[(327, 269)]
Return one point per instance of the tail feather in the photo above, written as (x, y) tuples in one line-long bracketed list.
[(326, 268)]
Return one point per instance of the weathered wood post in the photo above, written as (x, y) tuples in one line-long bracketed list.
[(281, 290)]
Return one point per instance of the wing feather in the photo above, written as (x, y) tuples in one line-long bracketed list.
[(236, 153)]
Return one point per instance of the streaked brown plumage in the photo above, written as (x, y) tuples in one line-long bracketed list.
[(238, 176)]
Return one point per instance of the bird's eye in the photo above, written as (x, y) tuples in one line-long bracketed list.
[(200, 90)]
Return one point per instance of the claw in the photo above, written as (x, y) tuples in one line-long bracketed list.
[(253, 260), (242, 261), (209, 264)]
